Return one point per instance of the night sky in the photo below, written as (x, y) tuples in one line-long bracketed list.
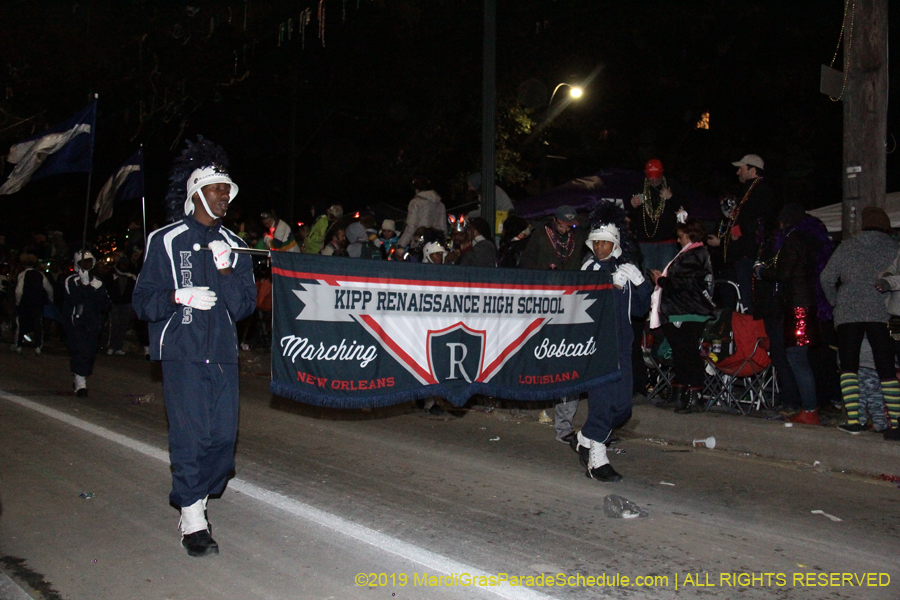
[(395, 92)]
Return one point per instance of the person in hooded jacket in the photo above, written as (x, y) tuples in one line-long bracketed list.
[(425, 210), (84, 300)]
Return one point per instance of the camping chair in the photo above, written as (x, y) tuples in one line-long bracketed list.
[(727, 295), (745, 380), (658, 359)]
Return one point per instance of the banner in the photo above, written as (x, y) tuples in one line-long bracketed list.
[(355, 333), (125, 184), (67, 147)]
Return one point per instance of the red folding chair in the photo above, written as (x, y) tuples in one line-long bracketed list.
[(745, 380)]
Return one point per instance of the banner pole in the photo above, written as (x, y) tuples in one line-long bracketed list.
[(143, 202), (87, 206)]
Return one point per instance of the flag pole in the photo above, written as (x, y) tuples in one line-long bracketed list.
[(87, 206), (143, 202)]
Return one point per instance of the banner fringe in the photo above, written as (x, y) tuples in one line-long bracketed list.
[(485, 389)]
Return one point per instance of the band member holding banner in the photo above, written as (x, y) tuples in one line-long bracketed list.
[(192, 290), (610, 405)]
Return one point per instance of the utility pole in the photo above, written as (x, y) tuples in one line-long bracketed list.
[(292, 155), (489, 114), (864, 94)]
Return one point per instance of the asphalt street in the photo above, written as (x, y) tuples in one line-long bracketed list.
[(321, 496)]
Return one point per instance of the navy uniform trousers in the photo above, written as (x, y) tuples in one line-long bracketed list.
[(202, 406), (609, 405)]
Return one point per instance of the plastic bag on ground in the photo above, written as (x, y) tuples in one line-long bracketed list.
[(617, 507)]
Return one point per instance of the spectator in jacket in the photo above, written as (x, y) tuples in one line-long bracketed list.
[(33, 292), (481, 252), (279, 237), (557, 245), (425, 210), (318, 234), (748, 223), (119, 284), (849, 283), (513, 242), (682, 303), (654, 212), (192, 299), (791, 308)]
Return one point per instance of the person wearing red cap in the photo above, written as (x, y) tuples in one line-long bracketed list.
[(654, 213)]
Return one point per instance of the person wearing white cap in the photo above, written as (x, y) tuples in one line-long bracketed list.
[(748, 224), (84, 300), (388, 236), (192, 290), (609, 405)]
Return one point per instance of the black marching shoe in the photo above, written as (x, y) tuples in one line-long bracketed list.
[(604, 473), (200, 543), (584, 454)]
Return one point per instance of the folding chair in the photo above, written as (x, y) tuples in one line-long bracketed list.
[(745, 380), (660, 367)]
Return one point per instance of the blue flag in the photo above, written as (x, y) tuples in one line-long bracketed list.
[(66, 148), (125, 184)]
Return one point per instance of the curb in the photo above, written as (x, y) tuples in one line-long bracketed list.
[(866, 453), (10, 590)]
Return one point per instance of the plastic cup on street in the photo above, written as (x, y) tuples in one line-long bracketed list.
[(709, 442)]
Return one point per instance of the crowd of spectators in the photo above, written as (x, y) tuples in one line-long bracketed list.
[(812, 298)]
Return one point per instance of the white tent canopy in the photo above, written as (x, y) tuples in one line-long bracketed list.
[(831, 214)]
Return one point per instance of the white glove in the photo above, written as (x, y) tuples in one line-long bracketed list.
[(681, 216), (201, 298), (221, 253), (84, 277), (620, 279), (631, 273), (96, 283)]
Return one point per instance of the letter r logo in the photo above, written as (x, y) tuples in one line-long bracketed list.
[(458, 362)]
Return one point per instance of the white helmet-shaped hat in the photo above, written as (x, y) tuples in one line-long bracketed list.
[(432, 248), (608, 233), (206, 176)]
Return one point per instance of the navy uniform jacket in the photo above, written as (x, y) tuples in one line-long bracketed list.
[(180, 332), (83, 305)]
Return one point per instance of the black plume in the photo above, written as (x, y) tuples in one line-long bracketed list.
[(199, 154)]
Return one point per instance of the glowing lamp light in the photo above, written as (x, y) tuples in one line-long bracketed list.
[(576, 92)]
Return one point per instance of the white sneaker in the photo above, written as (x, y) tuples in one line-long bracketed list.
[(119, 353)]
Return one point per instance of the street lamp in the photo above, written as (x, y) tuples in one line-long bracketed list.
[(551, 114), (574, 92)]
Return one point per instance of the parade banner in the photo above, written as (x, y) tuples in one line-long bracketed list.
[(355, 333)]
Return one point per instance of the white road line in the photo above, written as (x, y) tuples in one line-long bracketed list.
[(429, 560)]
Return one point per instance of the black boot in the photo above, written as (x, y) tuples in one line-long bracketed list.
[(697, 404), (691, 402), (675, 397)]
